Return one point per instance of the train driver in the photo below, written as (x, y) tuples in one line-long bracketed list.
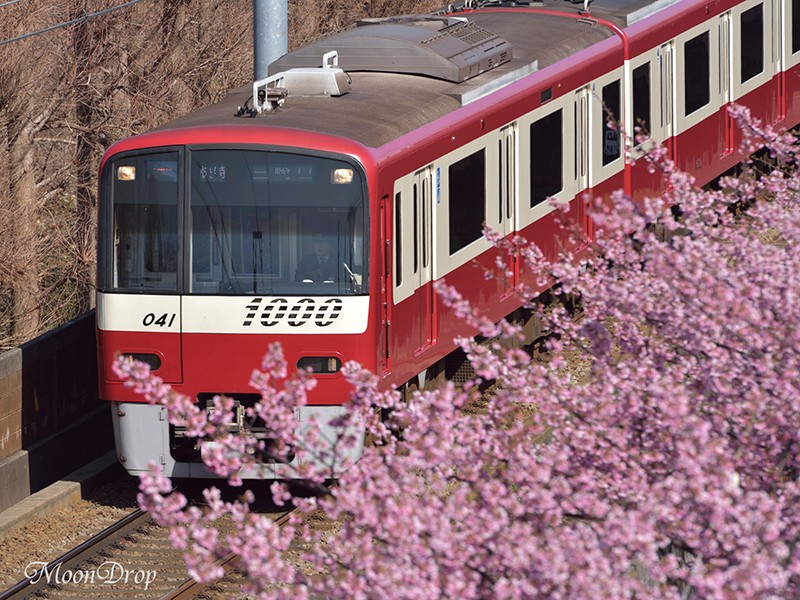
[(319, 266)]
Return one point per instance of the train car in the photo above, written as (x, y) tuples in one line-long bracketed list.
[(381, 151)]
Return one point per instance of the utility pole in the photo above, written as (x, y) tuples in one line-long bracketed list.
[(270, 34)]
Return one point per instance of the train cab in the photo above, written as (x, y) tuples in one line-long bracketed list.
[(209, 254)]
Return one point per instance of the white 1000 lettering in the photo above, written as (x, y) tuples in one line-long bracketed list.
[(295, 313)]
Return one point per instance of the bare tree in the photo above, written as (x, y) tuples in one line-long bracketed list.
[(68, 93), (29, 103)]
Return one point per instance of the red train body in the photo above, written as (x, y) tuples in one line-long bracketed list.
[(433, 126)]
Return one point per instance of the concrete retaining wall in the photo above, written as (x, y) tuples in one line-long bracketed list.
[(10, 402), (51, 421)]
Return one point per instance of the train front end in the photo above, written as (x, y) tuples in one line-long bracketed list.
[(207, 254)]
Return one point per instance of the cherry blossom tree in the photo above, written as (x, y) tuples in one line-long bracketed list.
[(651, 452)]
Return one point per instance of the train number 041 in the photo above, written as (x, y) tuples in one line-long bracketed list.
[(165, 320)]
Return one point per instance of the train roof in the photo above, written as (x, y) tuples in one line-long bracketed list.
[(408, 71)]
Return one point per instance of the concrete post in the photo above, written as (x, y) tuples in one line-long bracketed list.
[(270, 34)]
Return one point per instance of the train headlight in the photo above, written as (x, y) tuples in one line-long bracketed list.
[(342, 176), (151, 360), (126, 173), (320, 364)]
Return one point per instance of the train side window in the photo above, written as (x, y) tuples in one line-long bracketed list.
[(425, 216), (641, 102), (611, 122), (398, 242), (752, 43), (415, 221), (795, 26), (500, 181), (467, 200), (546, 157), (696, 73)]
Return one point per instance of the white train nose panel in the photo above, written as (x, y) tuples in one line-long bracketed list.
[(233, 314), (139, 312), (276, 314)]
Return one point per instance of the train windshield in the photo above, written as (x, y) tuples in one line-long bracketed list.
[(145, 232), (257, 222)]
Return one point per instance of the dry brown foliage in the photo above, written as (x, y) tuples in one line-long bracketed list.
[(67, 94)]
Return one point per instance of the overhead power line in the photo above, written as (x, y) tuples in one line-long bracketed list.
[(80, 19), (9, 2)]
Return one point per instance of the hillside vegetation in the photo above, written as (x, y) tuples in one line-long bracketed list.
[(67, 93)]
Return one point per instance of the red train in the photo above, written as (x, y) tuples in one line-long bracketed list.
[(316, 208)]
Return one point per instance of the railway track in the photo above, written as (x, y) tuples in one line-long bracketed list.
[(132, 558), (228, 584)]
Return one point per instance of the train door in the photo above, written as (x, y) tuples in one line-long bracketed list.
[(643, 124), (790, 56), (581, 111), (756, 58), (386, 275), (581, 162), (666, 59), (778, 57), (424, 296), (725, 50), (507, 147)]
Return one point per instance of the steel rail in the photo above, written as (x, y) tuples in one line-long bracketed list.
[(190, 588), (77, 555)]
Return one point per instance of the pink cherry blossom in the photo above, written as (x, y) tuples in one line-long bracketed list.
[(655, 452)]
